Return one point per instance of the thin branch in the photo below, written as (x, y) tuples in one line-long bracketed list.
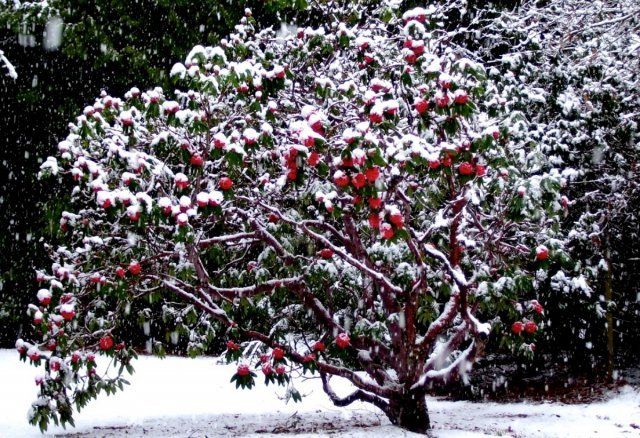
[(250, 291), (205, 243)]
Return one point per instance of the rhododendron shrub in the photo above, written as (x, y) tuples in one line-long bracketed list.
[(335, 201)]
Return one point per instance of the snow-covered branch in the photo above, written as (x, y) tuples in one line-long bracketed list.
[(250, 291)]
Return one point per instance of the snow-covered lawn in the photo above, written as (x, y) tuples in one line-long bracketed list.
[(193, 397)]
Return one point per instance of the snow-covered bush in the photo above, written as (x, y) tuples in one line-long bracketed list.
[(567, 74), (337, 200)]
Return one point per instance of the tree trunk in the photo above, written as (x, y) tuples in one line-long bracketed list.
[(410, 413)]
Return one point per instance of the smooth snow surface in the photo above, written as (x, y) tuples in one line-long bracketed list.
[(180, 397)]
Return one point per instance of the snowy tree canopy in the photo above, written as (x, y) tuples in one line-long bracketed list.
[(336, 198)]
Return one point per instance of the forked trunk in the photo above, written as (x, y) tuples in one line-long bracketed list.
[(410, 413)]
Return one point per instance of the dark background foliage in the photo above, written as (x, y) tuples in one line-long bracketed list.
[(107, 45)]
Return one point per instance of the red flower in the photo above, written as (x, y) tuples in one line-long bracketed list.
[(105, 343), (232, 346), (343, 341), (481, 170), (317, 127), (51, 345), (530, 327), (442, 101), (417, 47), (134, 216), (280, 369), (44, 298), (542, 253), (67, 313), (120, 272), (341, 179), (219, 143), (313, 159), (37, 318), (445, 83), (460, 97), (267, 369), (375, 117), (517, 327), (537, 307), (225, 183), (243, 370), (421, 105), (372, 174), (465, 168), (397, 219), (326, 253), (277, 353), (347, 162), (34, 355), (375, 203), (196, 160), (135, 268), (386, 230), (182, 183), (359, 180), (318, 346), (374, 220)]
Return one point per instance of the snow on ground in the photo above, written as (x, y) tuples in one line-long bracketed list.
[(181, 397)]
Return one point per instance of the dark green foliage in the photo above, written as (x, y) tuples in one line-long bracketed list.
[(106, 45)]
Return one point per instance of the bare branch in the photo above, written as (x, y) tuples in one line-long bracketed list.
[(357, 395)]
